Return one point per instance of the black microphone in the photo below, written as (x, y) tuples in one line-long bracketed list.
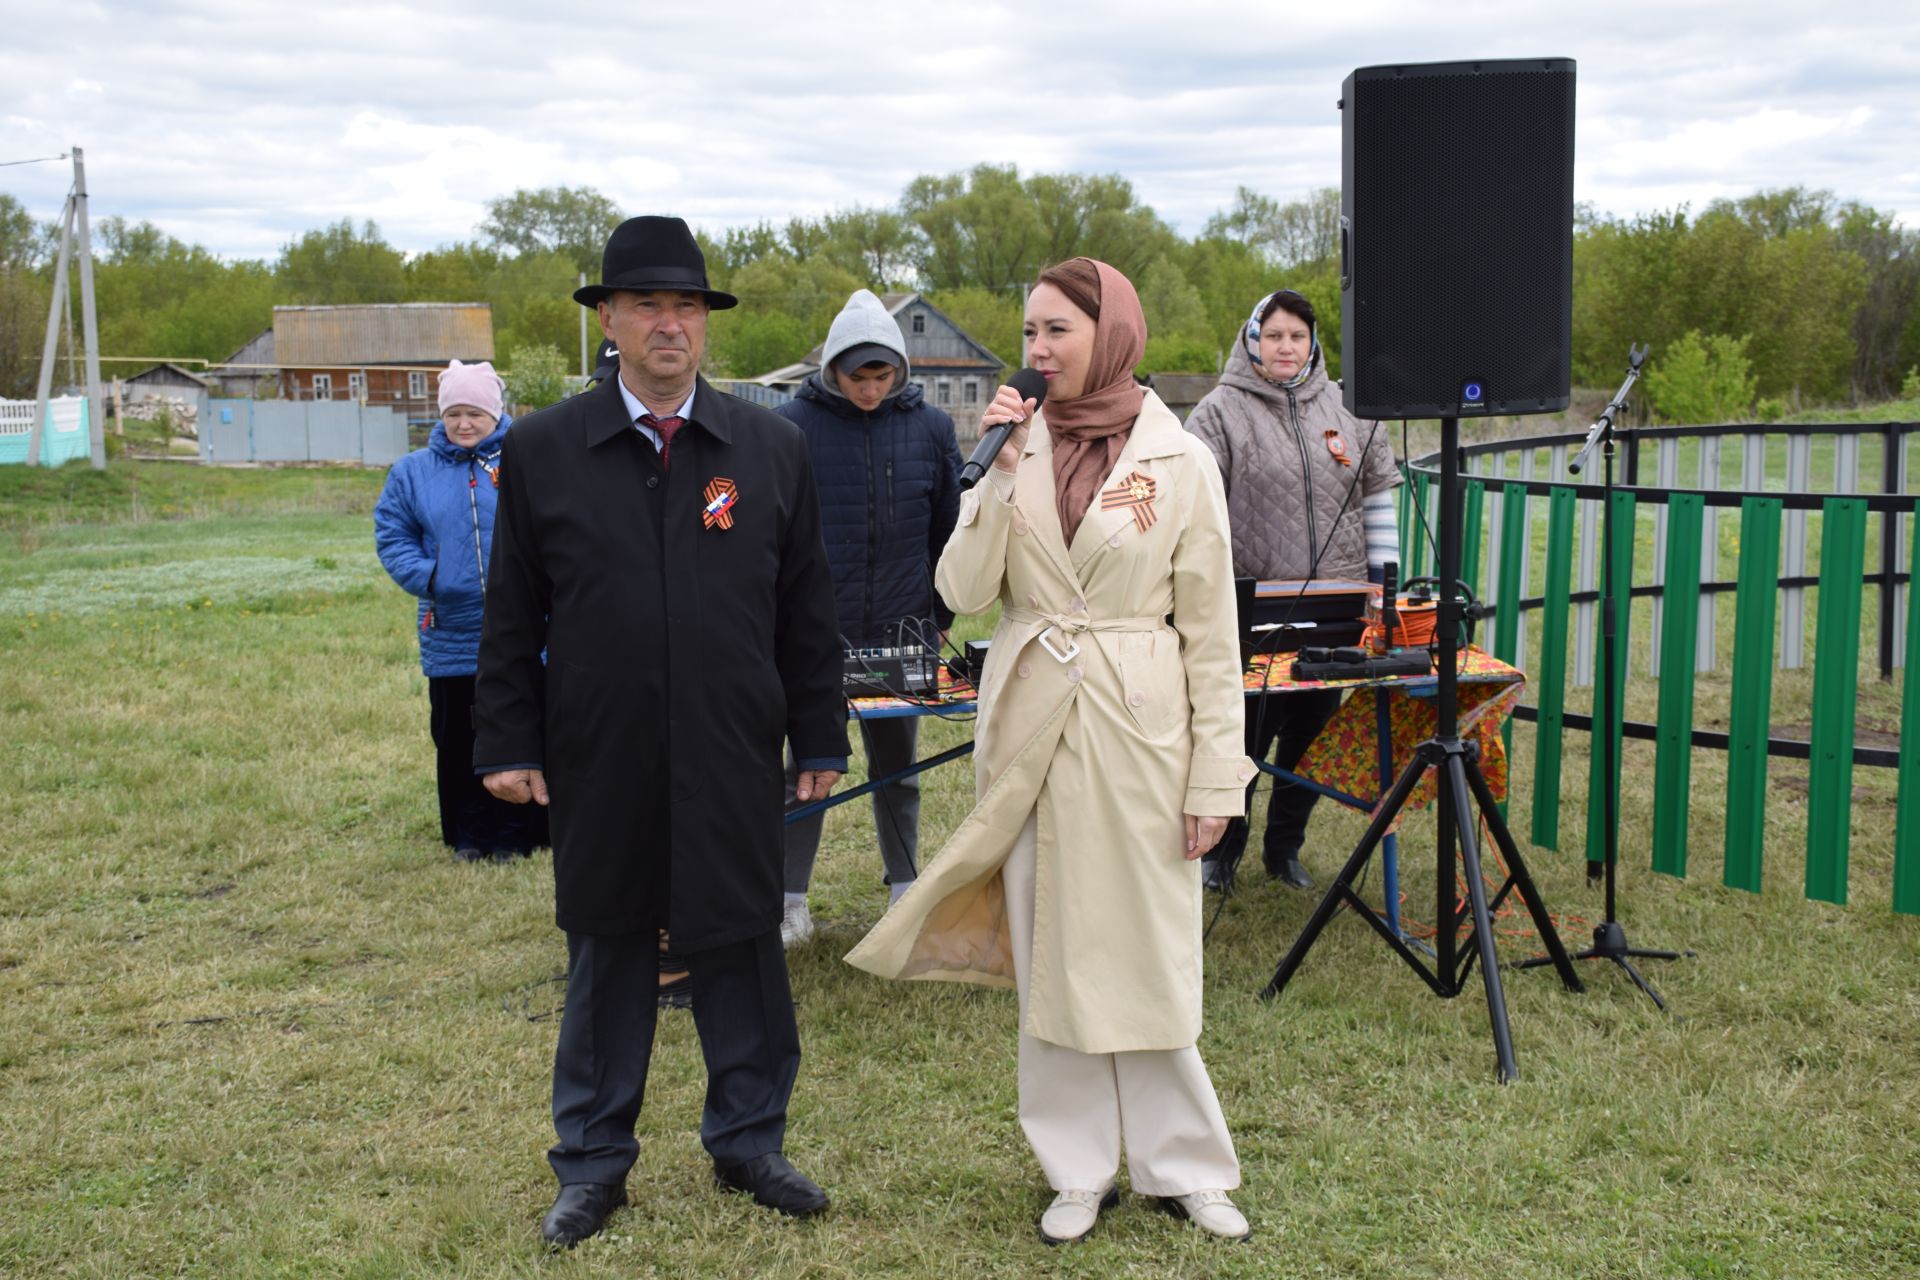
[(1032, 385)]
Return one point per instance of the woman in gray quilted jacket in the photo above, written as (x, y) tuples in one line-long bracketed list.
[(1309, 495)]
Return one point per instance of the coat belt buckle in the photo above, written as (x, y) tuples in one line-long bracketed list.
[(1046, 642)]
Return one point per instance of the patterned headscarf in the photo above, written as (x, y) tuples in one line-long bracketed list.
[(1251, 338)]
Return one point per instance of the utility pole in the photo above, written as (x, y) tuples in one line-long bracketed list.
[(44, 391), (585, 372), (89, 320), (75, 212)]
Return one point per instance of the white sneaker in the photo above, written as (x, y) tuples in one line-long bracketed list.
[(796, 925), (1211, 1211), (1072, 1214)]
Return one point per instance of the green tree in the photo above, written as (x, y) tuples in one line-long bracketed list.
[(22, 240), (993, 317), (1701, 381), (536, 376), (786, 306), (338, 264), (1890, 257), (1300, 233), (573, 222), (873, 245)]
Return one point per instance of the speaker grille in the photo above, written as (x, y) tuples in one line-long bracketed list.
[(1459, 196)]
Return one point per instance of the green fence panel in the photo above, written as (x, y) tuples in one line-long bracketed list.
[(1513, 538), (1679, 638), (1836, 688), (1471, 520), (1619, 571), (1551, 700), (1752, 720), (1506, 623), (1422, 520), (1906, 826)]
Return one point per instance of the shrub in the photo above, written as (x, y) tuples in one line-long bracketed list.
[(1701, 380), (1910, 387), (536, 376)]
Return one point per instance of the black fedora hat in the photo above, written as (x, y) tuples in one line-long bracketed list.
[(653, 253)]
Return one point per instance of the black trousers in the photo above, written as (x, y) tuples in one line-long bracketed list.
[(471, 817), (743, 1011), (1286, 725)]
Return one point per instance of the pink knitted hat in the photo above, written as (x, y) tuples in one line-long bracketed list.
[(472, 384)]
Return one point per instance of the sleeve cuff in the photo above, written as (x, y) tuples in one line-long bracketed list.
[(1217, 786), (482, 770), (814, 764)]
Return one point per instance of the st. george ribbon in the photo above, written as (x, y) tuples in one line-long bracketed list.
[(1032, 385)]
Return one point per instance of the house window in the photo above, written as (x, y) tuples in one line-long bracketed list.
[(943, 391), (919, 322), (417, 385), (356, 386), (970, 391), (323, 386)]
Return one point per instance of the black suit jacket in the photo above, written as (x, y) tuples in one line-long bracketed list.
[(680, 654)]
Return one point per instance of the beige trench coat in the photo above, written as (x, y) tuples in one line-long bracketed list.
[(1106, 722)]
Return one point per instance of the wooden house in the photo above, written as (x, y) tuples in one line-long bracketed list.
[(955, 370), (386, 354)]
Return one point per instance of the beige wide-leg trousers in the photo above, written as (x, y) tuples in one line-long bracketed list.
[(1079, 1108)]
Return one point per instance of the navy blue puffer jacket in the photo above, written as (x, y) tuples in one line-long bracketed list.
[(889, 495), (433, 528)]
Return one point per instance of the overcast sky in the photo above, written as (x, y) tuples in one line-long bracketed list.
[(238, 124)]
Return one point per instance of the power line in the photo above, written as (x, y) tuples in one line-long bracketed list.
[(4, 164)]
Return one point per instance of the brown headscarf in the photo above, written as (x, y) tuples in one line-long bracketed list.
[(1090, 430)]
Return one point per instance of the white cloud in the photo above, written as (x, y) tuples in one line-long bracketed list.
[(241, 125)]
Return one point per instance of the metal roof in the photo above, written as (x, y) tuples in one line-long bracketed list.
[(382, 333)]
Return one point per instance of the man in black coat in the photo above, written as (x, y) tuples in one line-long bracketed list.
[(660, 543)]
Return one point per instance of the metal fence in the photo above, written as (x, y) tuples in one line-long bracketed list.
[(1789, 512), (301, 431)]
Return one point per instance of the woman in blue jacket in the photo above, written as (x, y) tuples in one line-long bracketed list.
[(433, 528)]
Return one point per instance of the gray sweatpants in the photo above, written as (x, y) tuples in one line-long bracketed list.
[(890, 747)]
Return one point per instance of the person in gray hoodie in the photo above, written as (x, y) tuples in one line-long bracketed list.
[(1309, 495), (887, 466)]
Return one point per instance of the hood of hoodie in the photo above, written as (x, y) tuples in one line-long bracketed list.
[(864, 319), (820, 389), (489, 443), (1241, 375)]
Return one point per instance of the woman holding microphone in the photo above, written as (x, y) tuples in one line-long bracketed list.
[(1108, 760)]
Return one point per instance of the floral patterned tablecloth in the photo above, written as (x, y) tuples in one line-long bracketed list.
[(1346, 755)]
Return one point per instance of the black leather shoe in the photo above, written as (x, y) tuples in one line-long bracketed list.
[(771, 1181), (579, 1211), (1293, 875)]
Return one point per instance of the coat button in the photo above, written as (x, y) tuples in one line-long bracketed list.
[(1023, 670), (1033, 601), (1137, 699), (653, 482), (1076, 605), (1019, 524), (1073, 675), (1114, 541)]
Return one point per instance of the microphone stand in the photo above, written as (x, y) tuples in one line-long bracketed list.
[(1609, 937)]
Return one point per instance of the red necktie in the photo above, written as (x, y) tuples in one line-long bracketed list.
[(666, 427)]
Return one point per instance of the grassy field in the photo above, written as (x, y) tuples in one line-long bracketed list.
[(254, 1022)]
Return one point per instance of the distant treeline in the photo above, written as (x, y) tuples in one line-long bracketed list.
[(1816, 296)]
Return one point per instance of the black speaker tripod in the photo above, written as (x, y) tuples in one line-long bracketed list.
[(1462, 787), (1609, 936)]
